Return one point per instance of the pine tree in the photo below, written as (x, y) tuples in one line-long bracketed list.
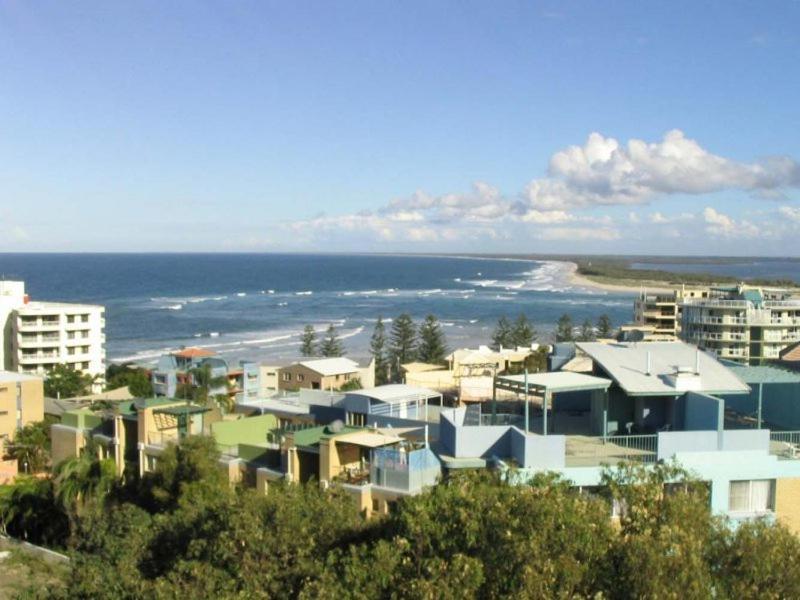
[(308, 345), (564, 329), (432, 346), (377, 346), (403, 344), (502, 336), (587, 332), (331, 346), (523, 333), (604, 327)]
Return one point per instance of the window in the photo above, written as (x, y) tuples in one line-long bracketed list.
[(751, 496), (287, 376), (301, 377), (376, 505)]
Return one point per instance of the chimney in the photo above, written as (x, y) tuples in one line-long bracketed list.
[(26, 299), (648, 363)]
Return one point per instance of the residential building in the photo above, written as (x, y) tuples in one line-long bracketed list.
[(21, 403), (742, 323), (39, 335), (184, 367), (640, 403), (326, 374), (660, 312)]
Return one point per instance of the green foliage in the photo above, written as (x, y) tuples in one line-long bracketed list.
[(564, 329), (353, 384), (31, 447), (432, 344), (203, 382), (308, 342), (331, 346), (135, 378), (523, 333), (83, 478), (604, 327), (30, 511), (402, 345), (65, 382), (377, 346), (535, 362), (587, 332), (502, 337)]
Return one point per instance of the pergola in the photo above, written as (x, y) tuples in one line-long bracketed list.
[(547, 384)]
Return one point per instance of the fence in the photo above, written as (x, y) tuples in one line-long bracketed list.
[(785, 444)]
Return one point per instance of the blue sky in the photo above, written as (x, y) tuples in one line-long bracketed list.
[(382, 126)]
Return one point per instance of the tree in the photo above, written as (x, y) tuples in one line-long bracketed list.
[(31, 447), (29, 510), (63, 381), (403, 344), (377, 346), (204, 382), (503, 334), (351, 385), (432, 345), (84, 477), (564, 329), (523, 333), (331, 346), (587, 332), (604, 327), (135, 378), (308, 342)]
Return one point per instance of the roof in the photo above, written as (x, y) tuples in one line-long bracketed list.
[(39, 306), (395, 392), (182, 409), (193, 353), (556, 381), (420, 367), (791, 352), (121, 393), (157, 402), (331, 366), (369, 439), (312, 435), (626, 364), (13, 376), (755, 375)]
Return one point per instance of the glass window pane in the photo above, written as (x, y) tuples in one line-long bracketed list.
[(739, 497)]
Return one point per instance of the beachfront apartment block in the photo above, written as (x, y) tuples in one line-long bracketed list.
[(742, 323), (39, 335), (660, 312)]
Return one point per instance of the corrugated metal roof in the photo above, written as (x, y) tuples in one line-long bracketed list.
[(626, 363), (396, 392), (558, 381), (368, 439), (331, 366)]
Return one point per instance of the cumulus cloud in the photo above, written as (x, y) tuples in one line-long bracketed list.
[(581, 181), (722, 225), (604, 172)]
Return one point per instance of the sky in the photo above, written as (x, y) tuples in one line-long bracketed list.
[(561, 127)]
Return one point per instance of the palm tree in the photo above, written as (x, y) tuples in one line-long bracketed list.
[(205, 381), (82, 478)]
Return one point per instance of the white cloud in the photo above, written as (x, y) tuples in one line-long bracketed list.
[(658, 218), (722, 225), (579, 233), (790, 212), (603, 172)]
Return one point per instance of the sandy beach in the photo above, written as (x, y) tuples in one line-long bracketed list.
[(579, 280)]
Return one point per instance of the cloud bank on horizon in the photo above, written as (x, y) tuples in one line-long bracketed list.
[(580, 196)]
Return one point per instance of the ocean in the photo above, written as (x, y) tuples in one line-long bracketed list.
[(255, 306)]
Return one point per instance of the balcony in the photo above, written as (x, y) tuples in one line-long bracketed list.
[(38, 357), (785, 444), (39, 325), (586, 451)]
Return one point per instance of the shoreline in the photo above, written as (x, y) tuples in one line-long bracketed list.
[(579, 280)]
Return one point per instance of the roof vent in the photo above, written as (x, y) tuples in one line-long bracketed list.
[(647, 372), (336, 426)]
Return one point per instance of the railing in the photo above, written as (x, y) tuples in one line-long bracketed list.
[(503, 419), (785, 444), (595, 451)]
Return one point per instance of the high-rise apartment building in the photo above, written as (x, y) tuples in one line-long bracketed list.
[(660, 312), (742, 323), (39, 335)]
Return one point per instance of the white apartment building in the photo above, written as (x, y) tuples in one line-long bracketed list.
[(39, 335), (743, 323), (661, 311)]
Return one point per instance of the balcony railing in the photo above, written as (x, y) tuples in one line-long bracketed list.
[(785, 444)]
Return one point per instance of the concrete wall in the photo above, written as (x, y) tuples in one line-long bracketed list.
[(787, 502), (702, 412), (30, 394), (671, 443), (538, 451)]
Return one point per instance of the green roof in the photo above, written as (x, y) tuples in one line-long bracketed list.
[(250, 430), (157, 401), (313, 435), (754, 296), (182, 409)]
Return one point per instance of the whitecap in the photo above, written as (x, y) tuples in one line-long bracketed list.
[(306, 293)]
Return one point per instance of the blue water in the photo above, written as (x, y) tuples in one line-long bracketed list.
[(256, 305), (744, 269)]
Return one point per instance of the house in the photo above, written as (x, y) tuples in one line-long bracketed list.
[(326, 374), (641, 403), (21, 403), (188, 366)]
